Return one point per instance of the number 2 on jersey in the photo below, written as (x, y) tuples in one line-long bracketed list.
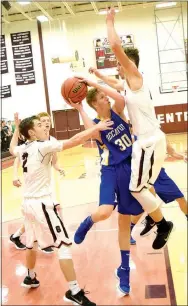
[(124, 142), (24, 157)]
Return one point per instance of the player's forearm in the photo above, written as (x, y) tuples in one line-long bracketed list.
[(110, 92), (114, 83), (14, 141), (15, 168), (116, 47), (56, 166), (173, 153), (88, 123), (55, 162), (80, 138), (113, 38), (85, 135)]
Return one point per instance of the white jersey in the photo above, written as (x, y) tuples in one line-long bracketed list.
[(141, 110), (36, 159)]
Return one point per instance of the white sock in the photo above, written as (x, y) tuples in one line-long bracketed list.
[(74, 287), (31, 273), (18, 233)]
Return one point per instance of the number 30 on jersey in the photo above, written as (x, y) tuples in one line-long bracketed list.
[(124, 142)]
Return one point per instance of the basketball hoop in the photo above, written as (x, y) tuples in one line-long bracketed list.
[(175, 88)]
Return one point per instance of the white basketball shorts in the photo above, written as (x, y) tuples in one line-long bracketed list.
[(148, 155), (43, 223)]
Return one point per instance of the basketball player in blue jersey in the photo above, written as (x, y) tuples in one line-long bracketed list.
[(115, 176), (109, 182), (165, 187), (115, 149)]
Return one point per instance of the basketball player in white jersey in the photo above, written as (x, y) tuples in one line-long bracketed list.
[(118, 84), (42, 221), (15, 238), (150, 148)]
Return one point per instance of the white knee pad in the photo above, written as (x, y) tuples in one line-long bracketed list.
[(147, 200), (64, 252)]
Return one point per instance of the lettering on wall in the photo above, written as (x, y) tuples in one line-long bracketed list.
[(5, 91), (172, 118), (3, 55), (23, 58)]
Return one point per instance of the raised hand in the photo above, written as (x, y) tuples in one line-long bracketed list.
[(77, 106), (16, 120), (92, 70), (110, 14), (95, 72)]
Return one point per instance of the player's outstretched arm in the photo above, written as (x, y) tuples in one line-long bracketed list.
[(112, 82), (116, 96), (172, 152), (132, 73), (87, 134), (14, 140)]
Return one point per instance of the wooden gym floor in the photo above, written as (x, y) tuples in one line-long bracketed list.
[(157, 277)]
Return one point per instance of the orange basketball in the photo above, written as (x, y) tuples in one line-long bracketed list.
[(73, 89)]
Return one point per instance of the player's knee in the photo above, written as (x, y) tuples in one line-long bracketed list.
[(64, 252), (105, 212), (147, 200)]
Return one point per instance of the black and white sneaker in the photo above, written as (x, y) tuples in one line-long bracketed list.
[(30, 282), (47, 250), (78, 299), (149, 224), (162, 237), (18, 244)]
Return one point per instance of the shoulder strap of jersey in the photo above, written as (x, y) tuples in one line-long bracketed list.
[(96, 120)]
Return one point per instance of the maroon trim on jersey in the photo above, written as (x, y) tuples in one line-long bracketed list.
[(61, 222), (49, 222), (152, 162), (141, 168), (61, 243)]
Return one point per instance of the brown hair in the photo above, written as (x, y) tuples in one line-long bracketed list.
[(133, 54), (91, 96), (26, 125)]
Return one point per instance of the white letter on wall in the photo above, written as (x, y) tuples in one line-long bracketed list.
[(169, 117), (178, 114), (160, 118)]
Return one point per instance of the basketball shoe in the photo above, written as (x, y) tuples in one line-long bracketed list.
[(78, 299), (82, 230), (123, 275)]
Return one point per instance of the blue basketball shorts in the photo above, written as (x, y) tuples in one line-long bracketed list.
[(166, 188), (115, 187)]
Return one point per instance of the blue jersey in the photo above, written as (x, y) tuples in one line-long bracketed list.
[(116, 144)]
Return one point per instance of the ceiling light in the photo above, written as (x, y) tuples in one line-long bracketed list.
[(42, 18), (104, 12), (24, 2), (166, 4)]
